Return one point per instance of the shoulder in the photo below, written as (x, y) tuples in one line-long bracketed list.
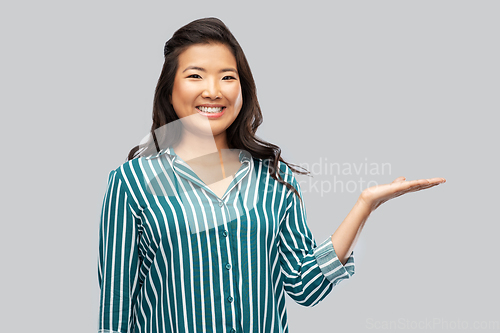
[(127, 169), (129, 172), (127, 178), (286, 172), (288, 176)]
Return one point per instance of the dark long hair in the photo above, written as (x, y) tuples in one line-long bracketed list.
[(241, 133)]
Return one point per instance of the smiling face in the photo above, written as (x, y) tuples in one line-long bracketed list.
[(207, 85)]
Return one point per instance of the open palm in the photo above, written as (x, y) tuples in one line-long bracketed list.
[(376, 195)]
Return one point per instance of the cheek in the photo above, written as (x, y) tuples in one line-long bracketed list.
[(236, 97), (182, 94)]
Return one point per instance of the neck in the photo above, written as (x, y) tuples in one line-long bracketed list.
[(191, 146)]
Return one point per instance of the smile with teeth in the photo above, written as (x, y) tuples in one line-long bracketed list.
[(210, 110)]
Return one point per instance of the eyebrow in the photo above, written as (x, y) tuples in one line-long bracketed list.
[(203, 69)]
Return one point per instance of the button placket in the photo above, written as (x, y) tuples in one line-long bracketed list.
[(230, 299)]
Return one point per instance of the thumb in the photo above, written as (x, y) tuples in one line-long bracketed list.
[(399, 179)]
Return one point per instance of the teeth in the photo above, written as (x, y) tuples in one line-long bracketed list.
[(211, 110)]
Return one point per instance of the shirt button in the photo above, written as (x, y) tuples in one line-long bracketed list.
[(232, 330), (221, 204), (228, 266), (224, 233), (230, 299)]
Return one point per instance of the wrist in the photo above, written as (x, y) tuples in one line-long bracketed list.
[(364, 204)]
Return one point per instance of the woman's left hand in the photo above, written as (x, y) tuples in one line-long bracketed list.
[(374, 196)]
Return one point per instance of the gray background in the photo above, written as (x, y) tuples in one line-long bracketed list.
[(410, 83)]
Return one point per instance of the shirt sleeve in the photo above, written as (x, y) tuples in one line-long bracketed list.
[(310, 271), (118, 262)]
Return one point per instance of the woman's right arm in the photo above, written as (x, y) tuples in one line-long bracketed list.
[(118, 262)]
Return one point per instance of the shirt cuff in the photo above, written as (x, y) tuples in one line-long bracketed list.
[(330, 265)]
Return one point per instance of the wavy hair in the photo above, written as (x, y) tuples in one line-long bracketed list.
[(241, 133)]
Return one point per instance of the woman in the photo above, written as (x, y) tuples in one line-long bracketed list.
[(178, 255)]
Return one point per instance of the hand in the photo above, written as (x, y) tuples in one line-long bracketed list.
[(376, 195)]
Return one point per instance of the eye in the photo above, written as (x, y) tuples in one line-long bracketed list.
[(229, 77), (195, 76)]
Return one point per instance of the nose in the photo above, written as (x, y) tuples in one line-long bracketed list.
[(211, 90)]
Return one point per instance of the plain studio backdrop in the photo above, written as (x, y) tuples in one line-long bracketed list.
[(353, 91)]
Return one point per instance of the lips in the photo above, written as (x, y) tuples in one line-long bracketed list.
[(212, 111)]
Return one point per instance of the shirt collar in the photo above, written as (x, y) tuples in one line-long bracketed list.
[(243, 156)]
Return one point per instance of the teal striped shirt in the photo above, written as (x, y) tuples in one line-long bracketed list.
[(174, 257)]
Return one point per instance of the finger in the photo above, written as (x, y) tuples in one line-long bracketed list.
[(423, 182), (433, 180), (429, 180), (409, 184), (423, 187), (426, 183), (413, 189), (399, 179), (437, 180), (420, 187)]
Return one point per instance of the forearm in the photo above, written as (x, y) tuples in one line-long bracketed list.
[(345, 237)]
